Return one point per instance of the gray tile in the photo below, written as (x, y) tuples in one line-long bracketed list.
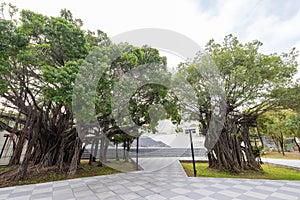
[(144, 193), (194, 195), (167, 183), (285, 195), (129, 196), (7, 191), (89, 197), (256, 195), (41, 195), (121, 191), (155, 197), (19, 194), (64, 187), (220, 196), (4, 196), (63, 195), (27, 197), (168, 194), (114, 198)]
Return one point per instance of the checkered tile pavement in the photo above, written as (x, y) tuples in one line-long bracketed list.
[(169, 182)]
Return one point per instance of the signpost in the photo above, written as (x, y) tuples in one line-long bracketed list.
[(190, 131)]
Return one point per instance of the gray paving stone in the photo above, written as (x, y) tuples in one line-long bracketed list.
[(168, 182), (181, 197), (144, 193), (168, 194), (256, 195), (5, 192), (19, 194), (289, 189), (204, 191), (105, 195), (63, 187), (63, 196), (229, 193), (233, 189), (89, 197), (42, 190), (114, 198), (129, 196), (41, 195), (194, 195), (284, 196), (4, 196), (220, 196), (27, 197), (155, 197)]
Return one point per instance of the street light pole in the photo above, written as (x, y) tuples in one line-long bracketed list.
[(6, 138), (192, 149), (137, 154)]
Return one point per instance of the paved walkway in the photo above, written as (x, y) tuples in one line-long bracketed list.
[(155, 183), (284, 162)]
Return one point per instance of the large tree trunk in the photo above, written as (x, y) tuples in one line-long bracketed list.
[(260, 136), (277, 143), (117, 152), (228, 155), (251, 162), (36, 123), (75, 158), (17, 152), (106, 144), (91, 153), (282, 143), (60, 160), (124, 149), (96, 149), (298, 146), (127, 151)]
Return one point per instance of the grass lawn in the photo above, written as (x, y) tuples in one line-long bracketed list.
[(271, 172), (288, 155), (84, 170)]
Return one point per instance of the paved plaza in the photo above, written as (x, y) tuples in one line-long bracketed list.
[(163, 178), (283, 162)]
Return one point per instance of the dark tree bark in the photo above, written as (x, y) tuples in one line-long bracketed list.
[(229, 154), (75, 158), (281, 141), (36, 123), (96, 149), (16, 156), (91, 153), (298, 146), (117, 152)]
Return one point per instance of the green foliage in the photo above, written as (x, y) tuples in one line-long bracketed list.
[(276, 121), (248, 78), (279, 125), (289, 97), (61, 81), (249, 75)]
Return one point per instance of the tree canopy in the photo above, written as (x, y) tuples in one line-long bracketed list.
[(243, 82)]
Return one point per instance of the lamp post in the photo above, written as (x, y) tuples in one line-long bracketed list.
[(189, 131), (137, 154), (5, 135)]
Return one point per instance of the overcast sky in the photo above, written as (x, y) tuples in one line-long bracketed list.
[(276, 23)]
